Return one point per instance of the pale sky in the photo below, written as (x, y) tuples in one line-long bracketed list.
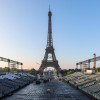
[(24, 28)]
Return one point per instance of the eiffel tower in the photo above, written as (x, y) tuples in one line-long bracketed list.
[(49, 57)]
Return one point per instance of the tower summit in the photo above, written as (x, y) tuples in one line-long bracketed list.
[(49, 40), (49, 57)]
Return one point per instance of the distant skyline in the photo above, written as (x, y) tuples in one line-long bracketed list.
[(24, 28)]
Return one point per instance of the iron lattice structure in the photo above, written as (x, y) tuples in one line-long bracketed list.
[(49, 57), (87, 62), (11, 62)]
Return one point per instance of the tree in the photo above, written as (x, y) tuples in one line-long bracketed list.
[(98, 69), (32, 71), (70, 72), (63, 72), (6, 69)]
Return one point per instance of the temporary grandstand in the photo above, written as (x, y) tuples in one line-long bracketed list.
[(88, 83), (9, 82)]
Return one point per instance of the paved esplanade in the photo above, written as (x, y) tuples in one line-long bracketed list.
[(59, 91)]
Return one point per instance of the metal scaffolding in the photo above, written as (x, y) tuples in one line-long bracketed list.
[(11, 62), (87, 62)]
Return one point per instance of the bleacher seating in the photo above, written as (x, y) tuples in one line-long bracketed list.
[(10, 82), (89, 83)]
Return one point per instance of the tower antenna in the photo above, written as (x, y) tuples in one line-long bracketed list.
[(49, 7)]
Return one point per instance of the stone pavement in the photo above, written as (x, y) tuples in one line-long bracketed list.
[(58, 91)]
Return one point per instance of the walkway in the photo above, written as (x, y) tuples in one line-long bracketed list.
[(58, 91)]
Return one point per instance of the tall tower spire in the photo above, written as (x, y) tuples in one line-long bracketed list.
[(49, 57), (49, 39), (49, 7)]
